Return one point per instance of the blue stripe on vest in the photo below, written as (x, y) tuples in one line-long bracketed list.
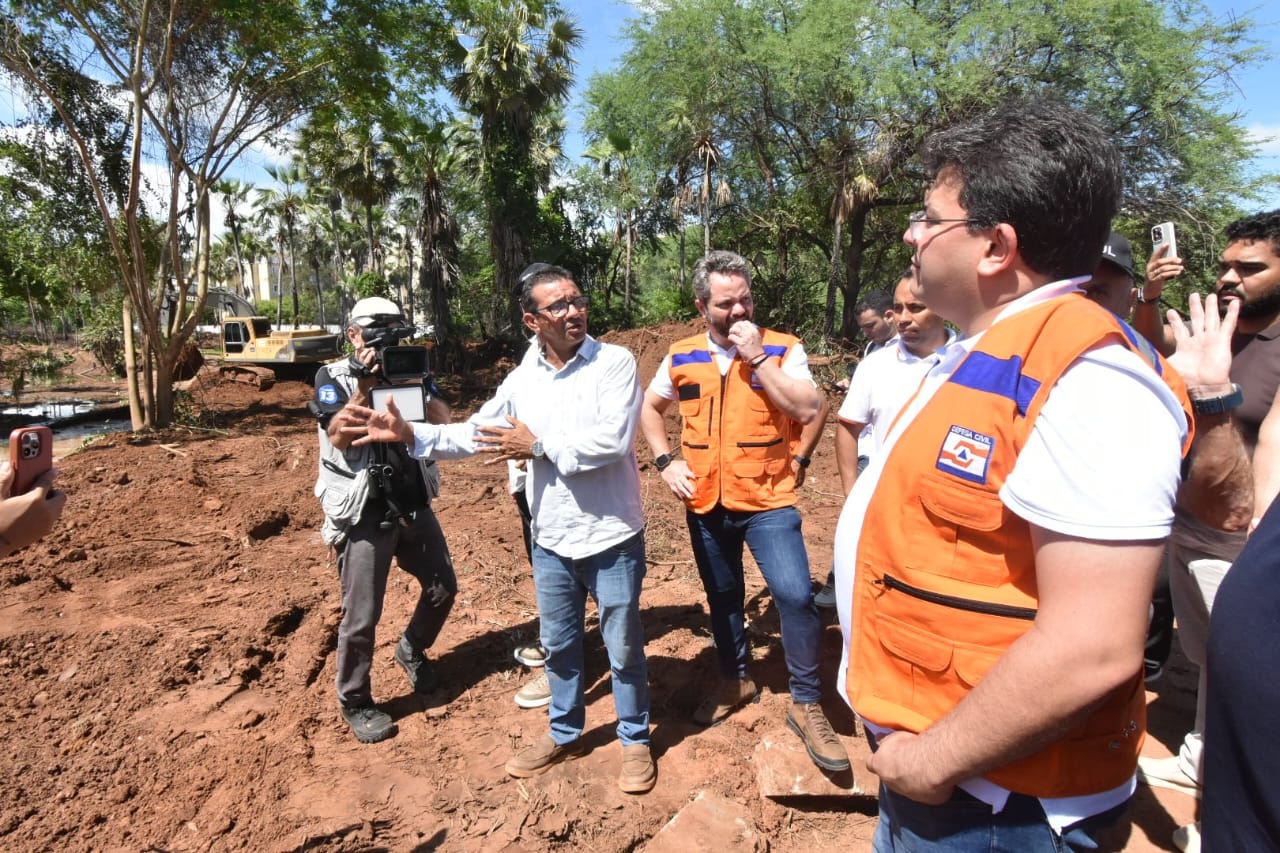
[(1004, 377), (773, 349), (1142, 347), (697, 356)]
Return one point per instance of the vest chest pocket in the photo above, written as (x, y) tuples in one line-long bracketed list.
[(969, 528)]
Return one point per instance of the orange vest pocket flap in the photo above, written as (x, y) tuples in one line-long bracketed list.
[(913, 645), (975, 508), (972, 664)]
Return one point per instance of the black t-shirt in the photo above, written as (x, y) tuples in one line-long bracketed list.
[(1241, 803)]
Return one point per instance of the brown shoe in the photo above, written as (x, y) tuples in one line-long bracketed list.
[(820, 741), (638, 770), (537, 759), (731, 695)]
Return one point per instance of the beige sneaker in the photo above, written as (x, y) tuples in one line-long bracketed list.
[(730, 695), (537, 759), (638, 770), (1166, 773), (536, 693), (819, 739)]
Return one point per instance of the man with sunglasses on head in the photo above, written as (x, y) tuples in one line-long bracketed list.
[(570, 410), (994, 563)]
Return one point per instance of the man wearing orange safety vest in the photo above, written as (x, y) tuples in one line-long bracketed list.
[(751, 417), (995, 563)]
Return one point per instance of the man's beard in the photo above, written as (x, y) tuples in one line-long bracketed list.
[(1266, 305)]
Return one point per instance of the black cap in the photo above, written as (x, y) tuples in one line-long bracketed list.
[(1118, 252), (532, 270)]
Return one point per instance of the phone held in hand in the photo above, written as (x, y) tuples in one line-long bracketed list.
[(1163, 235), (30, 456)]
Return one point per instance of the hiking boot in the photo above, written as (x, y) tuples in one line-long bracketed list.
[(536, 693), (638, 770), (368, 724), (826, 597), (731, 695), (1166, 773), (532, 656), (820, 740), (422, 677), (537, 759)]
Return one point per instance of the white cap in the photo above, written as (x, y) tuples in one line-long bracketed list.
[(374, 309)]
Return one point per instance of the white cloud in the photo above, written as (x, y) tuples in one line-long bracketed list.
[(1266, 137)]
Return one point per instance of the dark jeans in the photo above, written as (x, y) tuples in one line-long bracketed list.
[(777, 544), (965, 823), (364, 564)]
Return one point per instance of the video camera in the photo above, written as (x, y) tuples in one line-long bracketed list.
[(397, 363)]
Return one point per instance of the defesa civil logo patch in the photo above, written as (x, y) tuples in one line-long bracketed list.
[(966, 454)]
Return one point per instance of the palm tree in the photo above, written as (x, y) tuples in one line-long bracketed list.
[(611, 153), (234, 194), (511, 66), (283, 206), (430, 155)]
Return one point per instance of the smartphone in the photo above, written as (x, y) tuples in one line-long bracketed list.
[(1163, 235), (30, 456)]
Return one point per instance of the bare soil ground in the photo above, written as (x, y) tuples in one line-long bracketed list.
[(166, 662)]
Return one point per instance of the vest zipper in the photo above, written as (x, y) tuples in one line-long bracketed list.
[(988, 608)]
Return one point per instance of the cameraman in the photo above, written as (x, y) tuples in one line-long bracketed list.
[(377, 503)]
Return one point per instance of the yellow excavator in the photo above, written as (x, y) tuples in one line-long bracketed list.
[(251, 348)]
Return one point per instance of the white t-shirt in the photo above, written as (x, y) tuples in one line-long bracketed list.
[(1103, 462), (880, 387), (795, 365)]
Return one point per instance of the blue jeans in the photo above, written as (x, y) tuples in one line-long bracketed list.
[(776, 542), (613, 578), (965, 823)]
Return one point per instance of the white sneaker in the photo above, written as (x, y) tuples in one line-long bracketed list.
[(536, 693), (1187, 838), (1166, 773)]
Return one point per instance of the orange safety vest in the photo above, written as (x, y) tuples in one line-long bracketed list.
[(945, 575), (736, 441)]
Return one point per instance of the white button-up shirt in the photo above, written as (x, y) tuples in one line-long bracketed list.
[(585, 495)]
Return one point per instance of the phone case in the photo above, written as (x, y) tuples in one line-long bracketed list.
[(1163, 234), (30, 455)]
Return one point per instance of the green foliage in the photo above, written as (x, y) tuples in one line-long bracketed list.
[(789, 130), (103, 335)]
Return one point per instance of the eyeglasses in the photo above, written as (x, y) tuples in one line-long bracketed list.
[(561, 307), (919, 219)]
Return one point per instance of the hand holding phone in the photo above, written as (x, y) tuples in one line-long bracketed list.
[(29, 505), (30, 456)]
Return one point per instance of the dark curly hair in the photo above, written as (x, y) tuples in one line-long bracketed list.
[(1260, 226)]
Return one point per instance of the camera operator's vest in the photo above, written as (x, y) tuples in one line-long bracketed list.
[(736, 441), (343, 484), (945, 577)]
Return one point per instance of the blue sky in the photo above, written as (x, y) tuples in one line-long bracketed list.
[(1255, 96)]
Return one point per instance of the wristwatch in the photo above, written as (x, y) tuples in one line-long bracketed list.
[(1150, 301), (803, 460), (536, 449), (661, 461), (1220, 404)]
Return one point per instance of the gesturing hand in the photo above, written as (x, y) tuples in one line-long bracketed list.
[(1203, 343)]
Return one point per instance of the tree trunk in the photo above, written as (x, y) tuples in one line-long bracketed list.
[(835, 279), (853, 270)]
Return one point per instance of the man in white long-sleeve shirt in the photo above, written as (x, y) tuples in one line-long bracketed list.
[(570, 408)]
